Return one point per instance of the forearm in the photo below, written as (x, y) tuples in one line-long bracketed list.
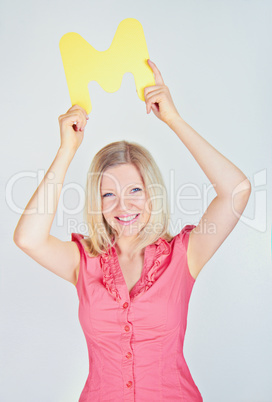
[(223, 174), (35, 223)]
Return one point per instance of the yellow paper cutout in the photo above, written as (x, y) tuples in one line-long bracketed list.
[(83, 63)]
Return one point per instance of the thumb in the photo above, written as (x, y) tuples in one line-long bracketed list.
[(155, 107)]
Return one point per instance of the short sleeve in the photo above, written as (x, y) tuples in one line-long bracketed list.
[(182, 239), (76, 237), (183, 236)]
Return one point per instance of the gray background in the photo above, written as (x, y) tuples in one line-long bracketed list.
[(215, 57)]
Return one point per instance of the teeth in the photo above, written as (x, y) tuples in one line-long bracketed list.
[(128, 218)]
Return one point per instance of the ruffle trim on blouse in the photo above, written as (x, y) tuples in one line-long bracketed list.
[(112, 270), (108, 274), (162, 248)]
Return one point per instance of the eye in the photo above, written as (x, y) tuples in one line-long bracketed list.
[(137, 188), (106, 195)]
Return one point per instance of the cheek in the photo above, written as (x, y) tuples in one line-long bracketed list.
[(140, 203), (143, 205), (147, 206), (108, 205)]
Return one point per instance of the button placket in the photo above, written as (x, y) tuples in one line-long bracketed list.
[(127, 358)]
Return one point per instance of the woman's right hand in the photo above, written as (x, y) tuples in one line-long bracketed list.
[(72, 134)]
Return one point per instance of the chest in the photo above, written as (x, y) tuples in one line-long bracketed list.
[(132, 271)]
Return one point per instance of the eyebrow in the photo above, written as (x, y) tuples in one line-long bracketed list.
[(131, 185), (106, 189)]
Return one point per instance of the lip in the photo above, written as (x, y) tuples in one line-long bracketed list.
[(125, 216), (128, 222)]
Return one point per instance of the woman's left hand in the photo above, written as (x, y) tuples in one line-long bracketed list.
[(158, 98)]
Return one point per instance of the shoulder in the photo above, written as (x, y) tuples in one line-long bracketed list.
[(82, 243), (182, 238), (181, 248), (86, 258), (79, 240)]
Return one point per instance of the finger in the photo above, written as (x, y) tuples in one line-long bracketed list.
[(156, 92), (153, 106), (77, 107), (154, 99), (77, 119), (148, 90), (156, 71)]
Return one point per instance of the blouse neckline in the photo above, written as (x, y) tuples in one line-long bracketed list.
[(113, 278)]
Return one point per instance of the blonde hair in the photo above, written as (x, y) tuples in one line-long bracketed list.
[(101, 235)]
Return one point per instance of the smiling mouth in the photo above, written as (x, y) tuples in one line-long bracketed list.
[(127, 218)]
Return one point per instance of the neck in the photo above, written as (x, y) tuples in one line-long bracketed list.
[(124, 249)]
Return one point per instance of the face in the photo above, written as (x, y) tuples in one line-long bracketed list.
[(125, 203)]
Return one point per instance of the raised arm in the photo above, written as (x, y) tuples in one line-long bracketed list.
[(32, 233), (231, 185)]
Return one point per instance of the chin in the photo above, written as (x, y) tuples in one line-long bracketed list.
[(127, 232), (131, 233)]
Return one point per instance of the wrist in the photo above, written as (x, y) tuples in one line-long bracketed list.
[(175, 122), (68, 153)]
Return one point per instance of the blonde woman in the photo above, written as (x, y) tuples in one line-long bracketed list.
[(133, 278)]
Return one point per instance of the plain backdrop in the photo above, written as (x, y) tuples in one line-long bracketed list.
[(215, 57)]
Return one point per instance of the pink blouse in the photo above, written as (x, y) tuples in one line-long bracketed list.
[(135, 340)]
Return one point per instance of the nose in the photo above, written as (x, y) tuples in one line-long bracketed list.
[(124, 206)]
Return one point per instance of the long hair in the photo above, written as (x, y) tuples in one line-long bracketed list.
[(101, 234)]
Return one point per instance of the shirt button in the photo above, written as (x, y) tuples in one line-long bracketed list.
[(128, 355), (125, 305), (127, 328), (129, 384)]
